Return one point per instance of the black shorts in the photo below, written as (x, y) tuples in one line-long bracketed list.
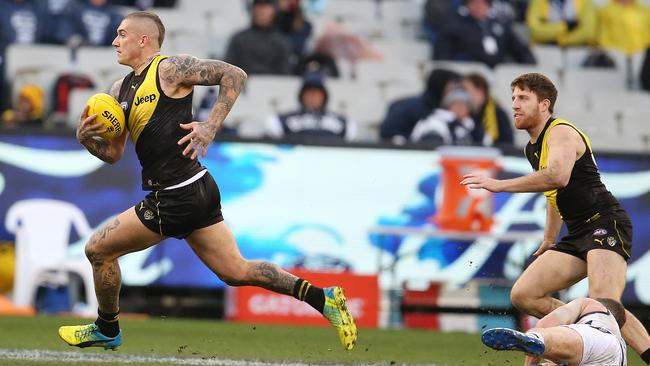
[(177, 212), (611, 231)]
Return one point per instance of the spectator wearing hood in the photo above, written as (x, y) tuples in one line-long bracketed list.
[(260, 48), (487, 112), (97, 22), (478, 37), (403, 114), (21, 22), (313, 119), (28, 109), (452, 123)]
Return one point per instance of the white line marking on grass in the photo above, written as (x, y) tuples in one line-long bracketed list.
[(45, 355)]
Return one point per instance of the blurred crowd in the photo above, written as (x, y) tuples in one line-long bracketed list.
[(280, 40)]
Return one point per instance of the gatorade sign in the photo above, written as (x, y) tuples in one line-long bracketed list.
[(254, 304)]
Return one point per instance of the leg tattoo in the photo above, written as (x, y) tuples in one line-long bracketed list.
[(106, 272), (268, 276)]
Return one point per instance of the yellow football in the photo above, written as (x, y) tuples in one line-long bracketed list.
[(109, 112)]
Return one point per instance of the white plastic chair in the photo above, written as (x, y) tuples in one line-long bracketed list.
[(42, 229)]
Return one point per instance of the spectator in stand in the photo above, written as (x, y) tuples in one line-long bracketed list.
[(487, 113), (562, 22), (294, 27), (451, 123), (435, 14), (479, 37), (20, 23), (403, 114), (319, 62), (28, 109), (260, 48), (58, 19), (313, 119), (645, 72), (96, 23), (624, 25)]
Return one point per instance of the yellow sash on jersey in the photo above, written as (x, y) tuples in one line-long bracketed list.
[(145, 101), (551, 196)]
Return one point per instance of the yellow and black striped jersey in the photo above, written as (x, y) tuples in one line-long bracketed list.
[(152, 119), (585, 197)]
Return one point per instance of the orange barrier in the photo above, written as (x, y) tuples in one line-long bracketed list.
[(465, 209), (8, 308)]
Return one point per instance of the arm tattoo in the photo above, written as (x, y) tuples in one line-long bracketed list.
[(190, 70), (115, 89), (100, 148)]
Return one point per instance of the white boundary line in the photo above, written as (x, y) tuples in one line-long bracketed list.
[(87, 357)]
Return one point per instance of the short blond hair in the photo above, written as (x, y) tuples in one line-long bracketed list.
[(154, 18)]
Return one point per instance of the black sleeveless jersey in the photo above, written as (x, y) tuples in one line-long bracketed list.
[(585, 198), (153, 119)]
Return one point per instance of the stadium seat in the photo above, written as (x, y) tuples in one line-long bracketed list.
[(404, 51), (200, 46), (100, 63), (36, 64), (595, 79), (358, 101), (352, 10), (178, 23), (385, 72), (277, 93), (248, 116), (575, 56), (42, 228), (571, 100), (549, 56), (25, 59), (617, 102)]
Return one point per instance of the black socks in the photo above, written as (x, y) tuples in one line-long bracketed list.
[(109, 324), (645, 356), (312, 295)]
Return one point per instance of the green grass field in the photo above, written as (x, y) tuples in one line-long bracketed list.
[(213, 341)]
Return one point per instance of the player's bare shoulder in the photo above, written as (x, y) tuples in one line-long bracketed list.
[(188, 70), (115, 89)]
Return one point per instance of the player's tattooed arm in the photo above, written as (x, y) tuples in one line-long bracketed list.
[(188, 70), (115, 89), (99, 147), (109, 151)]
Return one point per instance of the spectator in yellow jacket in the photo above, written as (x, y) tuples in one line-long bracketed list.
[(562, 22), (624, 25)]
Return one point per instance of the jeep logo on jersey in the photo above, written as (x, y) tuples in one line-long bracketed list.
[(149, 98)]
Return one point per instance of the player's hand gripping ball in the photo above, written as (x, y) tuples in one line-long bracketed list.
[(109, 112)]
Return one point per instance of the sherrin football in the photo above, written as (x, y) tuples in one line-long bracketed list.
[(109, 112)]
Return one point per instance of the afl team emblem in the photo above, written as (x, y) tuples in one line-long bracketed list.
[(611, 241), (148, 215), (600, 232), (124, 106)]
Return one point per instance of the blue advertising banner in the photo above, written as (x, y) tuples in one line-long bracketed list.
[(298, 206)]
